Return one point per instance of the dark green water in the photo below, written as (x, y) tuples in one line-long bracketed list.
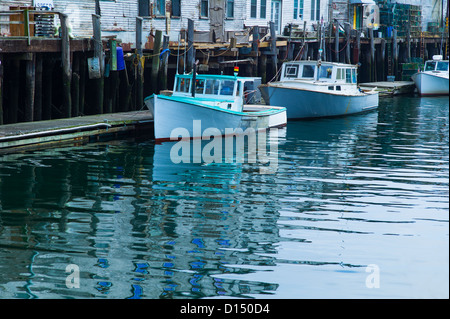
[(349, 195)]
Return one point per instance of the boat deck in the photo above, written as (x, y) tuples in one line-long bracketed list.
[(20, 136)]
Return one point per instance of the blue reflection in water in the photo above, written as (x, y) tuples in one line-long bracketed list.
[(347, 193)]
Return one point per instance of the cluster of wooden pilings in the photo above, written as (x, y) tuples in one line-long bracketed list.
[(50, 78)]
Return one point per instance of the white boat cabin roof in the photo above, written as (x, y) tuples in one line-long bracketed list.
[(210, 86), (326, 72)]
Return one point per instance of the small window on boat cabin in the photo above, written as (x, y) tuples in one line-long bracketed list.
[(199, 86), (184, 85), (212, 87), (340, 74), (238, 90), (308, 71), (348, 75), (291, 71), (325, 72), (442, 66), (353, 75), (227, 87), (430, 66)]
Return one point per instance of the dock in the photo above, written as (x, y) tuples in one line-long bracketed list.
[(390, 88), (32, 135)]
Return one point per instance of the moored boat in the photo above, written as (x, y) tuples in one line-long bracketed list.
[(215, 101), (433, 80), (312, 89)]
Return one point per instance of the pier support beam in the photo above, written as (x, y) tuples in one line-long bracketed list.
[(155, 61), (190, 41), (66, 66), (98, 53), (30, 84), (140, 70), (38, 89), (1, 90)]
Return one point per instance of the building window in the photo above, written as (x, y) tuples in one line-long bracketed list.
[(315, 10), (204, 8), (230, 8), (144, 8), (253, 7), (263, 11), (160, 7), (176, 8), (298, 9)]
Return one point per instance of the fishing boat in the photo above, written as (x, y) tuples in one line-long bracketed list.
[(313, 89), (433, 80), (214, 101)]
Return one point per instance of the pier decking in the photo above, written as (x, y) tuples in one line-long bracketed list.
[(19, 136), (390, 88)]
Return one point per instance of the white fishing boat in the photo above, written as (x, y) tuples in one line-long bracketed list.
[(433, 80), (214, 101), (311, 89)]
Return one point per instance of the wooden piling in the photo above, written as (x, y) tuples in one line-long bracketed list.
[(1, 90), (164, 63), (140, 71), (30, 83), (273, 48), (336, 42), (190, 41), (98, 53), (395, 51), (372, 55), (76, 86), (66, 67), (38, 88), (47, 89), (255, 50), (82, 90), (14, 90), (155, 61), (347, 39)]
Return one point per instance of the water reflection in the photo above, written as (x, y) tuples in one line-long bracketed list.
[(139, 226)]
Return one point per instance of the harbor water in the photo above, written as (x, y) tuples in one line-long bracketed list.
[(358, 207)]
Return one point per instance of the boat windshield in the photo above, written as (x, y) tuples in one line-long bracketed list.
[(227, 87), (325, 71), (308, 71), (430, 66), (442, 66)]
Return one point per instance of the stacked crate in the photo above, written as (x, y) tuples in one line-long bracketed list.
[(399, 16)]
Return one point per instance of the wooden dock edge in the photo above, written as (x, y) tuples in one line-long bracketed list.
[(45, 134)]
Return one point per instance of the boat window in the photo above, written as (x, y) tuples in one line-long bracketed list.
[(430, 66), (338, 87), (308, 71), (238, 90), (338, 74), (331, 88), (212, 87), (227, 87), (325, 72), (442, 66), (348, 75), (354, 76), (183, 85), (291, 71), (199, 86)]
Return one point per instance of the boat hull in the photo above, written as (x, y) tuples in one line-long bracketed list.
[(174, 117), (302, 104), (429, 84)]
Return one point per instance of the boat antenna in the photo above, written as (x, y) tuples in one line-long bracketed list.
[(184, 62)]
